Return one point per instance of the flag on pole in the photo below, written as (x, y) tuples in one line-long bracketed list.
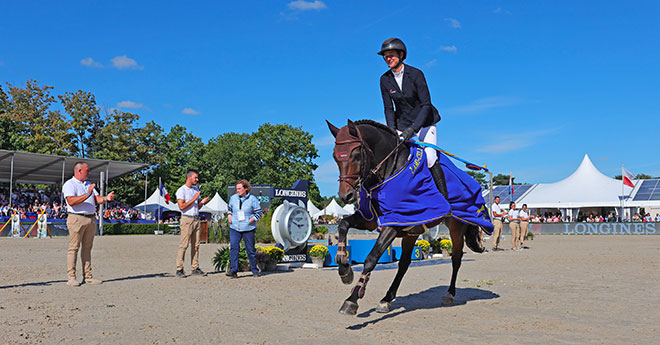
[(164, 193), (627, 177)]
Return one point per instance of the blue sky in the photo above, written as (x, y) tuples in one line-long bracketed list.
[(522, 86)]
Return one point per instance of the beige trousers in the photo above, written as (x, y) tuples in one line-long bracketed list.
[(497, 232), (515, 234), (524, 228), (190, 233), (81, 232)]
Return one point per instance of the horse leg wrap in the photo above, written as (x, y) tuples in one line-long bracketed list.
[(341, 258), (362, 283)]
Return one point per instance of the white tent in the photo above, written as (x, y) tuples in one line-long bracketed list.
[(586, 187), (350, 208), (333, 209), (311, 208), (215, 205), (154, 201)]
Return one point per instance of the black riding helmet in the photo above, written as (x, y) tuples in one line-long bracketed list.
[(393, 44)]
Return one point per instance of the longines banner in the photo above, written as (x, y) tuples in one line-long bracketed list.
[(586, 229)]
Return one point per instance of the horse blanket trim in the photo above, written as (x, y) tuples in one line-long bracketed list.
[(411, 197)]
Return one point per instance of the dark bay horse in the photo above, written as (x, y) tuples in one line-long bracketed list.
[(360, 148)]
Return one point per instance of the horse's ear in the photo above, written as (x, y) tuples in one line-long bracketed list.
[(334, 130), (352, 129)]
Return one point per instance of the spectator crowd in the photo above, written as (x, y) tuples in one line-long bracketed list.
[(30, 202)]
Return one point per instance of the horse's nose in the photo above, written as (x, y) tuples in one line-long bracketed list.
[(349, 198)]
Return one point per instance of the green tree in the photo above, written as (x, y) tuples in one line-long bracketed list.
[(35, 127), (181, 150), (480, 177), (285, 154), (117, 139), (228, 158), (638, 177), (86, 121)]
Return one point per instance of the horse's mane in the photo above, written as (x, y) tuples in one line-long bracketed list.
[(377, 125)]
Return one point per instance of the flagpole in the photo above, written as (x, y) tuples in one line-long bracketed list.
[(622, 176), (159, 199)]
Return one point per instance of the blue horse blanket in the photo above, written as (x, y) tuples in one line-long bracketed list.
[(411, 197)]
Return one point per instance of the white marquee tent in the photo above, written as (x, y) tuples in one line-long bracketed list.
[(154, 201), (586, 187), (311, 209), (215, 205), (350, 208), (333, 209)]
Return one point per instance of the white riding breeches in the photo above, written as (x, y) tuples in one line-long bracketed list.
[(428, 135)]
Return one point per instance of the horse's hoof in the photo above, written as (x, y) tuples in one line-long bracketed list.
[(348, 277), (448, 299), (348, 308), (384, 307)]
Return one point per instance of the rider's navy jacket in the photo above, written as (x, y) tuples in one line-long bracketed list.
[(413, 105)]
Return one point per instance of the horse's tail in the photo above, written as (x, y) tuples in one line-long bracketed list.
[(473, 239)]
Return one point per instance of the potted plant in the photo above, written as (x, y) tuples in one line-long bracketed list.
[(318, 254), (425, 246), (221, 260), (268, 257), (446, 247)]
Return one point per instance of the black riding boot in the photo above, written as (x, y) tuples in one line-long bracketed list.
[(439, 178)]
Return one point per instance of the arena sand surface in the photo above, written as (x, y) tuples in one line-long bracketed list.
[(564, 290)]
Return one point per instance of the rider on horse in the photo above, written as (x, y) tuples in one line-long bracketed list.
[(407, 103)]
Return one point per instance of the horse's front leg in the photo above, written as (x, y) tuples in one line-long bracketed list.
[(456, 231), (385, 239), (345, 270), (407, 245)]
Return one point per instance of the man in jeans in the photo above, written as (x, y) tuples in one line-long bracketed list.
[(187, 198), (81, 199)]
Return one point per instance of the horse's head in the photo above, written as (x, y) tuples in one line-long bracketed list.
[(351, 155)]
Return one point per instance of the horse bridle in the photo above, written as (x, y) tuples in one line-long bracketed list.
[(358, 142)]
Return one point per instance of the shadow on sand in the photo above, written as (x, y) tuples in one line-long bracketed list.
[(48, 283), (429, 299)]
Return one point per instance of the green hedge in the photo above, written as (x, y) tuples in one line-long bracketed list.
[(132, 228)]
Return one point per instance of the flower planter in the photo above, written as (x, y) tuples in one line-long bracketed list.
[(445, 253), (318, 261), (271, 266)]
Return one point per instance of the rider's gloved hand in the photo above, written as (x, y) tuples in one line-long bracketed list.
[(407, 133)]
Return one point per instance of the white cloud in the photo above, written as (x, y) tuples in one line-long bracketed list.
[(453, 23), (130, 105), (499, 10), (302, 5), (189, 111), (484, 104), (451, 48), (430, 63), (89, 62), (516, 142), (124, 62)]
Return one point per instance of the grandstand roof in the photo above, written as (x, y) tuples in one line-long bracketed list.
[(47, 169)]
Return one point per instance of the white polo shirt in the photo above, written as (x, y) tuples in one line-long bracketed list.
[(75, 187), (513, 215), (186, 194), (495, 208), (522, 214)]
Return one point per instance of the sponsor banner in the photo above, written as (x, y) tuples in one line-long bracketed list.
[(564, 229)]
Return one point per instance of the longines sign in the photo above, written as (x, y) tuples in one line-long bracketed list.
[(585, 228), (606, 228)]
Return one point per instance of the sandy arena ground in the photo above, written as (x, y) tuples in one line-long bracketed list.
[(564, 290)]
